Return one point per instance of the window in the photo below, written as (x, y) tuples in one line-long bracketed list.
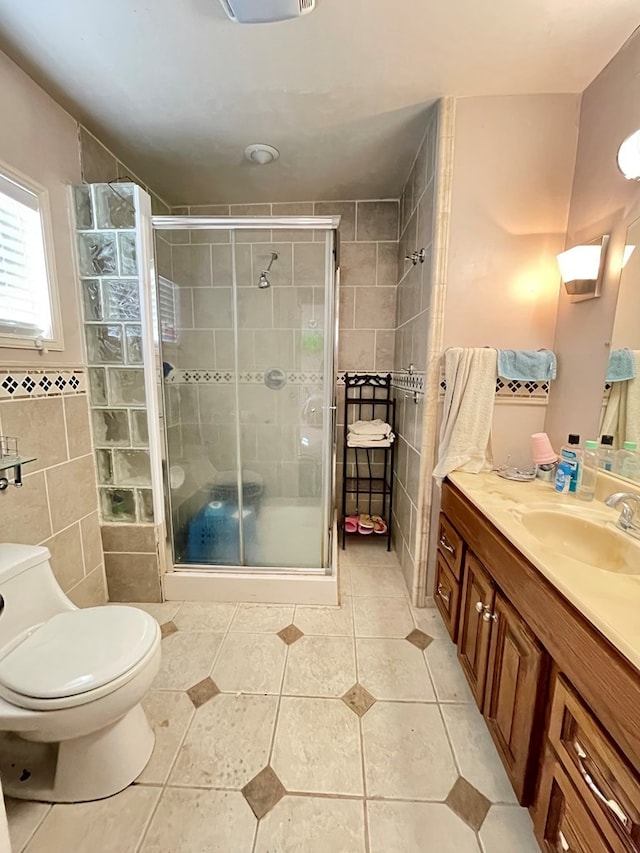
[(29, 314)]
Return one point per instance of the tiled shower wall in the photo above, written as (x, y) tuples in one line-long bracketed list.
[(47, 410), (368, 259), (413, 306), (109, 283)]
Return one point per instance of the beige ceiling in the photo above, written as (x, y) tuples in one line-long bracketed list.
[(178, 91)]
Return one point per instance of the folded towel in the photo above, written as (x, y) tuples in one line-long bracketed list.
[(375, 427), (527, 365), (465, 433), (367, 441), (622, 365)]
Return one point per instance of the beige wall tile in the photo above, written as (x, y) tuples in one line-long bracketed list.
[(387, 264), (255, 308), (347, 307), (212, 307), (357, 350), (385, 340), (358, 264), (91, 591), (129, 538), (195, 349), (222, 258), (274, 348), (72, 491), (24, 512), (207, 210), (39, 427), (192, 266), (375, 308), (185, 308), (309, 264), (377, 220), (295, 208), (91, 542), (76, 410), (345, 209), (132, 577), (66, 556)]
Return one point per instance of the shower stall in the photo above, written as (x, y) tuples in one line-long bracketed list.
[(245, 328)]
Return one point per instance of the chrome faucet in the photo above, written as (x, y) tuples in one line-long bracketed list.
[(627, 520)]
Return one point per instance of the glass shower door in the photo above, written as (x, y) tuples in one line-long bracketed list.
[(283, 415), (246, 325)]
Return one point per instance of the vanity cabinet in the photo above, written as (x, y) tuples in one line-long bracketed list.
[(560, 702)]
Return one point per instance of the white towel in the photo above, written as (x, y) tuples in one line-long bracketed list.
[(354, 440), (376, 427), (465, 433)]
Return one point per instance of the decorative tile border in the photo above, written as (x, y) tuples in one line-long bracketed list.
[(512, 389), (411, 382), (18, 383), (227, 377)]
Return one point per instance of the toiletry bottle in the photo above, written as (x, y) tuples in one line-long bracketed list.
[(571, 453), (588, 471), (563, 477), (627, 461), (607, 453)]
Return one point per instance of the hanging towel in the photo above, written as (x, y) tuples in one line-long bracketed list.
[(377, 427), (622, 365), (527, 365), (622, 415), (465, 433)]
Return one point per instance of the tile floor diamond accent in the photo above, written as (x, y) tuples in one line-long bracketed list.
[(167, 629), (290, 634), (263, 792), (419, 639), (358, 699), (468, 803), (203, 691)]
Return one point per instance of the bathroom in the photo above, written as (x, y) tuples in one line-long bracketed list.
[(310, 697)]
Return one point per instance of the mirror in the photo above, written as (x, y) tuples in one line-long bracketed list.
[(621, 402)]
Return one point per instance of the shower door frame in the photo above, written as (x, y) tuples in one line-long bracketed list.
[(328, 224)]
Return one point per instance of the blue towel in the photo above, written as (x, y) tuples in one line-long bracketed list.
[(622, 365), (527, 365)]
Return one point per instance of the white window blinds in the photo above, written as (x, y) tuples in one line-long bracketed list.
[(168, 310), (25, 308)]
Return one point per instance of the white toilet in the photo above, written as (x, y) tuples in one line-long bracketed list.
[(71, 682)]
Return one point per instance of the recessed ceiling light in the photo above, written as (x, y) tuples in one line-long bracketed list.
[(260, 154)]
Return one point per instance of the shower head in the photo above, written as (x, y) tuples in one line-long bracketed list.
[(263, 281)]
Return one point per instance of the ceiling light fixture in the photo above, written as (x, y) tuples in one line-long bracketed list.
[(261, 154), (629, 157)]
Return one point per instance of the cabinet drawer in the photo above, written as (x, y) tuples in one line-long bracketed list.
[(446, 595), (609, 788), (565, 824), (451, 546)]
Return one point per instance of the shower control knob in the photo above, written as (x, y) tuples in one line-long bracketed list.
[(4, 484)]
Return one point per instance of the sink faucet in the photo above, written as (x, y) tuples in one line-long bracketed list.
[(627, 520)]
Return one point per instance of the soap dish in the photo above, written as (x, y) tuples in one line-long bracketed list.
[(510, 472)]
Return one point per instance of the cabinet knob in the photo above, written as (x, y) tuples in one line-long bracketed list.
[(446, 545), (564, 844), (480, 606), (488, 616), (445, 596)]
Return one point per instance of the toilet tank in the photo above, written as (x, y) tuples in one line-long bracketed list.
[(30, 593)]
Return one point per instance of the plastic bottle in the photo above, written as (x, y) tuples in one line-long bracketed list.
[(563, 477), (607, 453), (571, 453), (627, 461), (588, 471)]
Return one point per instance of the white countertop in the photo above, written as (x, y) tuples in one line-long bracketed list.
[(608, 599)]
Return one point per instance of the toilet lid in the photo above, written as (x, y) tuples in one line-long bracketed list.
[(78, 651)]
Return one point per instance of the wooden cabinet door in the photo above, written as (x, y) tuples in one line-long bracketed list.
[(512, 708), (475, 625), (446, 595), (565, 825)]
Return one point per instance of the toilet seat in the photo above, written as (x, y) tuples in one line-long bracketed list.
[(77, 656)]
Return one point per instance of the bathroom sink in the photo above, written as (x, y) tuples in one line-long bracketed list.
[(585, 539)]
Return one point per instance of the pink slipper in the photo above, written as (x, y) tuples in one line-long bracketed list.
[(365, 524), (351, 523)]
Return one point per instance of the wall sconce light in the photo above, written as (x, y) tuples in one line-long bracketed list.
[(629, 157), (582, 268)]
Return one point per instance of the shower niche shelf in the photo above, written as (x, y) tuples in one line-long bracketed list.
[(367, 471), (16, 462)]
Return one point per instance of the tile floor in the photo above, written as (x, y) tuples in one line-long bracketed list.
[(286, 729)]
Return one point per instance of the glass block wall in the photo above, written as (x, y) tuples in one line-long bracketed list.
[(105, 222)]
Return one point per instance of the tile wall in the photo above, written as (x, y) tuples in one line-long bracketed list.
[(109, 284), (417, 209), (56, 506)]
